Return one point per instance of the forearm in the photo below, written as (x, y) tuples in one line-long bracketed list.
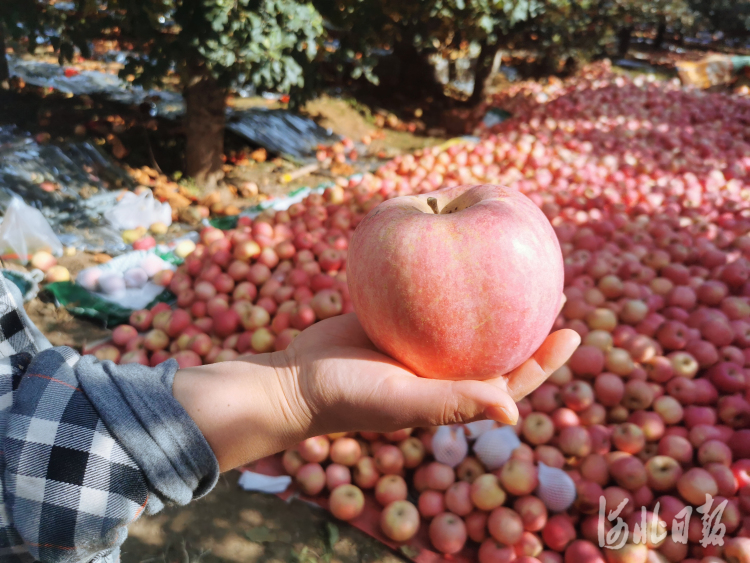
[(240, 407)]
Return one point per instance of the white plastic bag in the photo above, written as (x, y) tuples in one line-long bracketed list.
[(135, 211), (24, 231)]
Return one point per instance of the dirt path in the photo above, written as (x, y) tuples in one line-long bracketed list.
[(231, 525)]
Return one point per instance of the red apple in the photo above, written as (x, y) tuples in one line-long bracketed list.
[(400, 520), (346, 502), (384, 266)]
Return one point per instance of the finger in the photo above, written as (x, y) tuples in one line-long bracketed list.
[(552, 354), (431, 402)]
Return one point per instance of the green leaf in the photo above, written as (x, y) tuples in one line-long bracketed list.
[(332, 534)]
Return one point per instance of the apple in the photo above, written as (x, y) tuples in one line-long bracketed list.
[(476, 525), (737, 550), (669, 409), (538, 428), (587, 361), (594, 468), (550, 456), (505, 525), (528, 546), (314, 450), (311, 479), (134, 357), (107, 352), (727, 377), (583, 551), (123, 334), (558, 532), (431, 503), (725, 479), (741, 470), (587, 496), (577, 395), (628, 437), (390, 488), (389, 459), (532, 511), (458, 498), (518, 477), (398, 241), (734, 411), (469, 469), (400, 521), (492, 551), (413, 451), (663, 472), (365, 473), (609, 389), (695, 484), (714, 451), (345, 451), (676, 447), (628, 472), (628, 553), (292, 461), (336, 475), (439, 476), (575, 441), (486, 493)]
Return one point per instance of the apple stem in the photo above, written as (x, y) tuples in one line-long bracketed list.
[(432, 202)]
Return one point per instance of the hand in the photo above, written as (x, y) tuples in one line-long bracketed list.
[(339, 381), (333, 379)]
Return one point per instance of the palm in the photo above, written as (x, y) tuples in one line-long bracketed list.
[(347, 384)]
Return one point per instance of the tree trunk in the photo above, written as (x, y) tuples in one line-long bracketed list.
[(661, 33), (204, 119), (409, 73), (624, 36), (482, 73), (4, 70)]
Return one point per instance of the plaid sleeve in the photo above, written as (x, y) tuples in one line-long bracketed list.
[(70, 489)]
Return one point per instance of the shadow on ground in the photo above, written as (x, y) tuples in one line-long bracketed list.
[(232, 525)]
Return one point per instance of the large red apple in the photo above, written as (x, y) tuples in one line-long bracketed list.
[(464, 282)]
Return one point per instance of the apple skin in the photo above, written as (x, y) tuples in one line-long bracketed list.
[(420, 296), (346, 502)]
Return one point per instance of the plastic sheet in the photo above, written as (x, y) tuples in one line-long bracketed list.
[(82, 303), (77, 177), (50, 75), (279, 131)]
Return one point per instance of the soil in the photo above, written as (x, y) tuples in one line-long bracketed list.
[(232, 525)]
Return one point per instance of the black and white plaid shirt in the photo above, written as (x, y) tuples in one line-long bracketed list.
[(70, 487)]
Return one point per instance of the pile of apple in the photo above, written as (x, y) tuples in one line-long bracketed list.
[(248, 290), (647, 186)]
